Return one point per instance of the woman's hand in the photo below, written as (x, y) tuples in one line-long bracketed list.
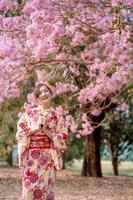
[(36, 130), (49, 134)]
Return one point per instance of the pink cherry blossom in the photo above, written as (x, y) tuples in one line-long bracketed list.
[(123, 107), (92, 52), (61, 88), (78, 39), (7, 5), (61, 57), (78, 136), (96, 112)]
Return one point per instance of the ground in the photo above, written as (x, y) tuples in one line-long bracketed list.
[(70, 186)]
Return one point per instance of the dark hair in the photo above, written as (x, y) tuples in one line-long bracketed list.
[(37, 90)]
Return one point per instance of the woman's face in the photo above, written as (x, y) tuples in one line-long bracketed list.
[(44, 96)]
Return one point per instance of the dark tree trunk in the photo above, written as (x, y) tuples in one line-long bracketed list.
[(10, 159), (115, 165), (92, 162), (64, 160)]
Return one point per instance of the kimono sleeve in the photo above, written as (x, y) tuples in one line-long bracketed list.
[(60, 134), (23, 139)]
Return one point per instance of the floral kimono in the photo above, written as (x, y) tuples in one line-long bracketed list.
[(39, 155)]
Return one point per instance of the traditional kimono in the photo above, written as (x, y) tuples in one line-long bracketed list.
[(40, 156)]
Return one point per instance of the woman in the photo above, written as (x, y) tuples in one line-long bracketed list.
[(41, 136)]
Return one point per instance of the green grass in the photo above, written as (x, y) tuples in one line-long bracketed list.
[(125, 168)]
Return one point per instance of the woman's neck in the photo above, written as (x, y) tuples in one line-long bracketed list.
[(44, 106)]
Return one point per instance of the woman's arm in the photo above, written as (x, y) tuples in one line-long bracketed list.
[(23, 139), (60, 134), (56, 130)]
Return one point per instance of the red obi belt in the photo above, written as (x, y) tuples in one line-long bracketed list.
[(40, 141)]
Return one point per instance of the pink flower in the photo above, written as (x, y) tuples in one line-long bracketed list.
[(8, 23), (64, 87), (24, 126), (42, 77), (30, 163), (7, 5), (123, 107), (78, 39), (28, 9), (60, 110), (74, 127), (58, 31), (27, 183), (96, 112), (40, 52), (50, 196), (86, 55), (43, 160), (53, 117), (50, 181), (31, 43), (35, 154), (15, 92), (86, 126), (32, 112), (37, 193), (129, 2), (115, 2), (33, 178), (78, 136), (70, 30), (61, 57)]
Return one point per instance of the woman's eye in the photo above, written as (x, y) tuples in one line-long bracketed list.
[(45, 93)]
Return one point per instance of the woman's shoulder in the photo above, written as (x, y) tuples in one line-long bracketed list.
[(53, 114), (31, 111)]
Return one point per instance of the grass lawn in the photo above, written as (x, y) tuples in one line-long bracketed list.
[(125, 168)]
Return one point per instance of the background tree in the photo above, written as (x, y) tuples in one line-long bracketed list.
[(90, 44), (9, 110), (118, 134)]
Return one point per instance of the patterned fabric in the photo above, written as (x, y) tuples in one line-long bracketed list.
[(40, 156)]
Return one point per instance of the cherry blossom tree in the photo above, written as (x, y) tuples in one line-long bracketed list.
[(86, 44)]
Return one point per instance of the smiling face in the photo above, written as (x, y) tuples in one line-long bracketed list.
[(43, 94)]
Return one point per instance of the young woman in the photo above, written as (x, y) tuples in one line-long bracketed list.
[(41, 136)]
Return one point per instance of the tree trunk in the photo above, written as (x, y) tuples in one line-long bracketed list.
[(64, 159), (91, 164), (92, 161), (115, 165), (10, 158)]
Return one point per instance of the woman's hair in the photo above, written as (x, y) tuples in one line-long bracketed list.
[(37, 90)]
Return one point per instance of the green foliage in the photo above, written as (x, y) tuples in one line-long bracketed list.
[(75, 147), (9, 110), (118, 135)]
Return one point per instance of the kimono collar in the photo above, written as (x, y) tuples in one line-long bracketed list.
[(44, 109)]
